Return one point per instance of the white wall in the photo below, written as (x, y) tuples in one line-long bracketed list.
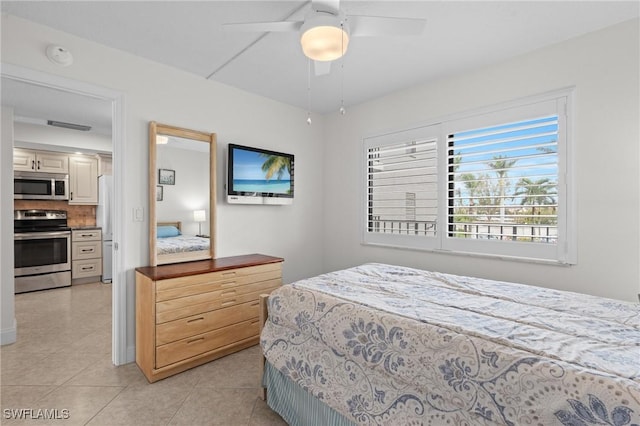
[(603, 66), (7, 310), (156, 92)]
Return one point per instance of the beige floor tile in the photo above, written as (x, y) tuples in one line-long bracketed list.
[(238, 370), (16, 397), (98, 342), (54, 369), (13, 364), (104, 373), (143, 405), (74, 405), (216, 407), (39, 341), (264, 416)]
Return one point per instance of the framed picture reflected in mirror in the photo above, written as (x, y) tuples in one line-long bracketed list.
[(166, 177)]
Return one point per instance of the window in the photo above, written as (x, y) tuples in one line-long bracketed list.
[(402, 187), (491, 183), (503, 182)]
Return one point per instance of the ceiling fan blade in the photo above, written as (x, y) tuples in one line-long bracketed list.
[(371, 26), (322, 67), (281, 26), (331, 6)]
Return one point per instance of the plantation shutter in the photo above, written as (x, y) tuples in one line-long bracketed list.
[(402, 186), (503, 184), (507, 183)]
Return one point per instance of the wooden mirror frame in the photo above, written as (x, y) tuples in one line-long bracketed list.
[(210, 138)]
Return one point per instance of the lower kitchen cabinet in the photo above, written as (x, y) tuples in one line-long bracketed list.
[(190, 313), (86, 255)]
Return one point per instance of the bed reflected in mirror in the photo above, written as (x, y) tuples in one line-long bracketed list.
[(181, 194)]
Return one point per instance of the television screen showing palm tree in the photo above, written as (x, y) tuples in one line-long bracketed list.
[(260, 172)]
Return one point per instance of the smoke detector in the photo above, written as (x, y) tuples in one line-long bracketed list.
[(59, 55)]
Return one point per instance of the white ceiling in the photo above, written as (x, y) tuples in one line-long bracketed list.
[(459, 35), (36, 104)]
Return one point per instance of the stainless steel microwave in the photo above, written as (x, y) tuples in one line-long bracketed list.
[(40, 186)]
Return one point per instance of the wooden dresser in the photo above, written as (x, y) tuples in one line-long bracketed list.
[(190, 313)]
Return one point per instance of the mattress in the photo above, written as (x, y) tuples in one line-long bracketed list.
[(181, 244), (384, 344)]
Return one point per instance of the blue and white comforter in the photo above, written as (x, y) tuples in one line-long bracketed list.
[(181, 244), (385, 344)]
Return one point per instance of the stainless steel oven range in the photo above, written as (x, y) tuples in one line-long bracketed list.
[(42, 250)]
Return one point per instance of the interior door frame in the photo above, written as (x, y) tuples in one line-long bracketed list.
[(117, 99)]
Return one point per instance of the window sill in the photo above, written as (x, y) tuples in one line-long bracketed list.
[(478, 255)]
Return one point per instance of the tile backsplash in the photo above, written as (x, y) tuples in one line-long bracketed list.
[(76, 215)]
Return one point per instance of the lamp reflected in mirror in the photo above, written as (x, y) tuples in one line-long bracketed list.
[(199, 216)]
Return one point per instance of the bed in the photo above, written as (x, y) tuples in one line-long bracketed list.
[(173, 246), (383, 344)]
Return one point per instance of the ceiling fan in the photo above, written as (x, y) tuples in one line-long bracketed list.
[(326, 30)]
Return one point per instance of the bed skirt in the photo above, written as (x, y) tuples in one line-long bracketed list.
[(296, 406)]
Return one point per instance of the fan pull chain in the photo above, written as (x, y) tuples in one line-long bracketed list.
[(309, 91), (342, 110)]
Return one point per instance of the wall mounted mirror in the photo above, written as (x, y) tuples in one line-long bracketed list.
[(182, 194)]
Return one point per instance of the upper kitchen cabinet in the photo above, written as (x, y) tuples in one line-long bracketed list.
[(105, 165), (83, 180), (28, 160)]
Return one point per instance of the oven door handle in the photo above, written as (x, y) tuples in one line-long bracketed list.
[(41, 235)]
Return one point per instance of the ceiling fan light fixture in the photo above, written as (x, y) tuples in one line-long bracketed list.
[(324, 38)]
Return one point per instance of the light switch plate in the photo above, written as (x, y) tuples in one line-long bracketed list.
[(138, 214)]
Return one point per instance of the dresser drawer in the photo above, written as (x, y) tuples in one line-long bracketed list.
[(86, 235), (187, 281), (86, 250), (197, 324), (199, 344), (166, 290), (86, 268), (191, 305)]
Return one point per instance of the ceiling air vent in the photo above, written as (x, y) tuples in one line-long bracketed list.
[(82, 127)]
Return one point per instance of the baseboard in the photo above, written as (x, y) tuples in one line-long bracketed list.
[(9, 335)]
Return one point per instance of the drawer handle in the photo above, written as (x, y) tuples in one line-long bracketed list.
[(228, 283), (230, 273), (86, 235), (228, 293), (89, 250), (194, 340), (87, 268), (195, 319), (228, 302)]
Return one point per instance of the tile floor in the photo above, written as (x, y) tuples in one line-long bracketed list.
[(62, 361)]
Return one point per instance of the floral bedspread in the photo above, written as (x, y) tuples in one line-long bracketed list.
[(181, 244), (385, 344)]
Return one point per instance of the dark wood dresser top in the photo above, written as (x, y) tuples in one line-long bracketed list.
[(176, 270)]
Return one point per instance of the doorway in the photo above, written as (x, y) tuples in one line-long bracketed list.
[(115, 100)]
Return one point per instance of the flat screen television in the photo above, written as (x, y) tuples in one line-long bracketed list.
[(259, 176)]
